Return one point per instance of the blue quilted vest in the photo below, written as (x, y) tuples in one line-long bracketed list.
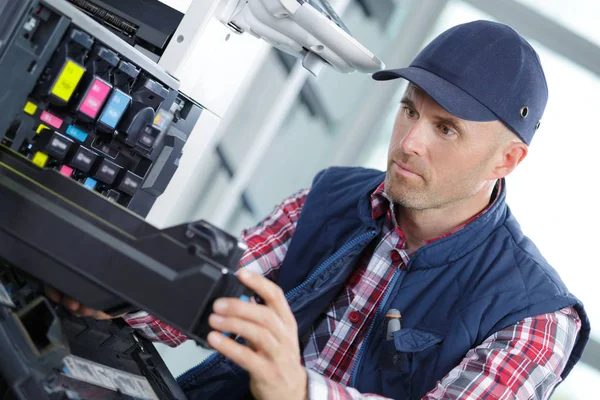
[(454, 293)]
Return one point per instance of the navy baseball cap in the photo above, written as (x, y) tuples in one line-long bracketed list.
[(481, 71)]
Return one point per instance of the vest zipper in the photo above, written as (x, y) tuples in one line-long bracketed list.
[(330, 260), (190, 372), (184, 376), (386, 296)]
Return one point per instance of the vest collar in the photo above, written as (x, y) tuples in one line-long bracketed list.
[(453, 247)]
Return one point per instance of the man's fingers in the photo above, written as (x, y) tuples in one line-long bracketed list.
[(239, 354), (256, 313), (270, 293), (84, 311), (53, 294), (70, 304), (257, 335), (58, 297), (99, 315), (76, 307)]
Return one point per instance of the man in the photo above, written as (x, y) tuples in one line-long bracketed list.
[(482, 313)]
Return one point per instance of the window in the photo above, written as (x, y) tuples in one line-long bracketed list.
[(581, 16)]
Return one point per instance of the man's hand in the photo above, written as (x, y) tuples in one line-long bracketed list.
[(74, 306), (273, 357)]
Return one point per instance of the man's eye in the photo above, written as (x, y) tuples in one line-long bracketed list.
[(410, 113), (444, 130)]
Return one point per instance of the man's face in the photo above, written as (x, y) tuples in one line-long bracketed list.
[(436, 159)]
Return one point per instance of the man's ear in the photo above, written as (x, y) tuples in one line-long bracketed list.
[(512, 154)]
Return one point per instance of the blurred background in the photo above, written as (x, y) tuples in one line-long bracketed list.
[(285, 126)]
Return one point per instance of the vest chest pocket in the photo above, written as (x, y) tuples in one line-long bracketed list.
[(408, 349)]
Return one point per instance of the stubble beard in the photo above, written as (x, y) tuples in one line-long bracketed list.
[(406, 194)]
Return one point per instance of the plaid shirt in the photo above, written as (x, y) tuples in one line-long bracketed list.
[(521, 361)]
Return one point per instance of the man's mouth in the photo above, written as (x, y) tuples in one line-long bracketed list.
[(403, 169)]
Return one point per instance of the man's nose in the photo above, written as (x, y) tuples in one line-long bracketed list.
[(415, 141)]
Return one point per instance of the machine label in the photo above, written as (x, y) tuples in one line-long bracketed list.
[(130, 183), (67, 80), (101, 375), (66, 171), (81, 157), (108, 171), (94, 98), (51, 120), (59, 145), (90, 183), (76, 133), (84, 159), (115, 108), (30, 108), (40, 159)]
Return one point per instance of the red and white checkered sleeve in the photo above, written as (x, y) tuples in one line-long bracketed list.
[(267, 246), (523, 361), (269, 240), (154, 329)]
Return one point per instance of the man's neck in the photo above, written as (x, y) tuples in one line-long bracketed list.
[(420, 226)]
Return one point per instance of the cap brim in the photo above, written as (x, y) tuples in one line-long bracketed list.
[(450, 97)]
